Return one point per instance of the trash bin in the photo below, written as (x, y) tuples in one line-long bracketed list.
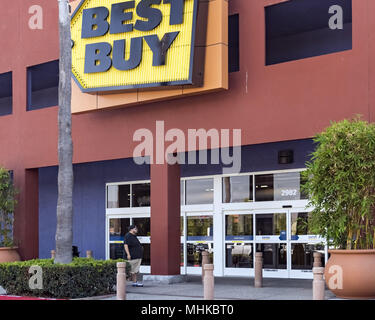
[(75, 251)]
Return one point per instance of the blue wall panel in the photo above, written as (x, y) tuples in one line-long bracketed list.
[(259, 157), (88, 202), (89, 190)]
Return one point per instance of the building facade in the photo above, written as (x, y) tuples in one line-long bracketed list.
[(277, 70)]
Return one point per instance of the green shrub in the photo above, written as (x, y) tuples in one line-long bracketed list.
[(341, 185), (82, 278), (7, 206)]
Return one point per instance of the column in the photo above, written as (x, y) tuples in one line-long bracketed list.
[(26, 216), (219, 229), (165, 222)]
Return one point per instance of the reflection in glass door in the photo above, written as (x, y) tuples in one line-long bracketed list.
[(239, 247), (303, 244), (199, 238), (283, 236), (271, 226), (118, 228), (144, 232), (271, 237)]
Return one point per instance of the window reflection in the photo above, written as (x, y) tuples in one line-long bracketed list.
[(238, 189), (239, 227), (141, 195), (182, 231), (274, 255), (146, 260), (182, 187), (194, 253), (199, 191), (200, 228), (116, 251), (300, 225), (279, 187), (182, 263), (118, 229), (143, 225), (239, 255), (302, 255), (264, 187), (304, 195), (286, 186), (271, 224), (118, 196)]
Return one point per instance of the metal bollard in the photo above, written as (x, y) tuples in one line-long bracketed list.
[(258, 270), (209, 282), (318, 284), (121, 281), (53, 254), (89, 254), (317, 259), (205, 260)]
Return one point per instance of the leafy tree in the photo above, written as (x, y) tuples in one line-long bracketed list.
[(341, 184), (7, 205)]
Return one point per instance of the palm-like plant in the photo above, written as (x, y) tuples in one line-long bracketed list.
[(64, 229)]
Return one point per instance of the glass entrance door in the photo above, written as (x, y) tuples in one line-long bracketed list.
[(239, 244), (287, 243), (117, 229), (282, 235), (303, 243), (199, 238), (271, 238)]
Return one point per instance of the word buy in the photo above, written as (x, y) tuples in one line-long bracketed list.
[(96, 23)]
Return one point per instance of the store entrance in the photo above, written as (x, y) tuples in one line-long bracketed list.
[(283, 236)]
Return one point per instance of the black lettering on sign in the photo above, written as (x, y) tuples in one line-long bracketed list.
[(97, 57), (177, 11), (135, 58), (160, 48), (94, 22), (153, 15), (118, 17)]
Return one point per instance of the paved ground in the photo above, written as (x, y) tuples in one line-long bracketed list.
[(226, 289)]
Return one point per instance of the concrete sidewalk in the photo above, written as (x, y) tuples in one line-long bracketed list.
[(227, 288)]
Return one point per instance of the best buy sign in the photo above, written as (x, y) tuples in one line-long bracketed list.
[(121, 45)]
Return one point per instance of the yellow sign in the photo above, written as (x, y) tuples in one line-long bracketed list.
[(119, 45)]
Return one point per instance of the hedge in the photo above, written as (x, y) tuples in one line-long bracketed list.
[(83, 277)]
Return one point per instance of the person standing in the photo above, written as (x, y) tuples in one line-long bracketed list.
[(134, 253)]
